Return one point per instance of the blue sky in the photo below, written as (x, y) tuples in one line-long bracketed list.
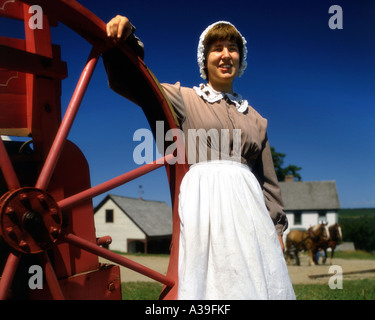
[(316, 86)]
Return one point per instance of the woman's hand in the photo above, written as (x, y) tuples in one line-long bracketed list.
[(119, 27)]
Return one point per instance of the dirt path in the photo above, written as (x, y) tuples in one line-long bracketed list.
[(159, 264), (352, 270), (298, 274)]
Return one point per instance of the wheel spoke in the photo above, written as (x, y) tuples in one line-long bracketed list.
[(51, 278), (8, 274), (113, 183), (104, 253), (7, 168), (66, 124)]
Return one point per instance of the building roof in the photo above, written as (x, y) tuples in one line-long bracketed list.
[(154, 218), (314, 195)]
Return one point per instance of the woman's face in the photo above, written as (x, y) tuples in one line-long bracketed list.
[(223, 62)]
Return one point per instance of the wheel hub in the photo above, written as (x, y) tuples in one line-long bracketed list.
[(30, 220)]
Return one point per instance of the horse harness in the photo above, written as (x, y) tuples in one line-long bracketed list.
[(309, 236)]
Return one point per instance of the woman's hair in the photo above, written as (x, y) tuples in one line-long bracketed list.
[(220, 32)]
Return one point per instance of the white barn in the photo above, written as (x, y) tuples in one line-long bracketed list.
[(135, 225), (309, 203)]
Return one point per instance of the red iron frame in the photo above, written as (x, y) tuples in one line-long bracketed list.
[(73, 254)]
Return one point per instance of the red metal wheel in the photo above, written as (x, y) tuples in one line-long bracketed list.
[(38, 220)]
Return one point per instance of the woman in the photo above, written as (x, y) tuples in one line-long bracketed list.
[(230, 206)]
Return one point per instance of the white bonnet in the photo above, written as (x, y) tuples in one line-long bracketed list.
[(200, 55)]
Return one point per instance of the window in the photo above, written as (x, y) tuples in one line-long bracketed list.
[(109, 215), (297, 217), (322, 216)]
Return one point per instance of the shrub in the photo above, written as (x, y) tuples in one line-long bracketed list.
[(360, 230)]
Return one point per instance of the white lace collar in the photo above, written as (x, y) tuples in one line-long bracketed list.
[(210, 95)]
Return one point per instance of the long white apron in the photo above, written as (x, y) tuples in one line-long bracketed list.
[(229, 248)]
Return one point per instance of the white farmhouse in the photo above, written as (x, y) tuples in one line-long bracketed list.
[(135, 225), (309, 203)]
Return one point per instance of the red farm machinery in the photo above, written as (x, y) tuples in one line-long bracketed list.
[(46, 209)]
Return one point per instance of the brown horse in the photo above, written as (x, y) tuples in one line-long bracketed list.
[(305, 240), (335, 238)]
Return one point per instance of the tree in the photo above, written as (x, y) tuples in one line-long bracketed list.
[(278, 161)]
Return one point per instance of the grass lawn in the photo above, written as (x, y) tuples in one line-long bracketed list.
[(141, 290), (357, 254), (352, 290)]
